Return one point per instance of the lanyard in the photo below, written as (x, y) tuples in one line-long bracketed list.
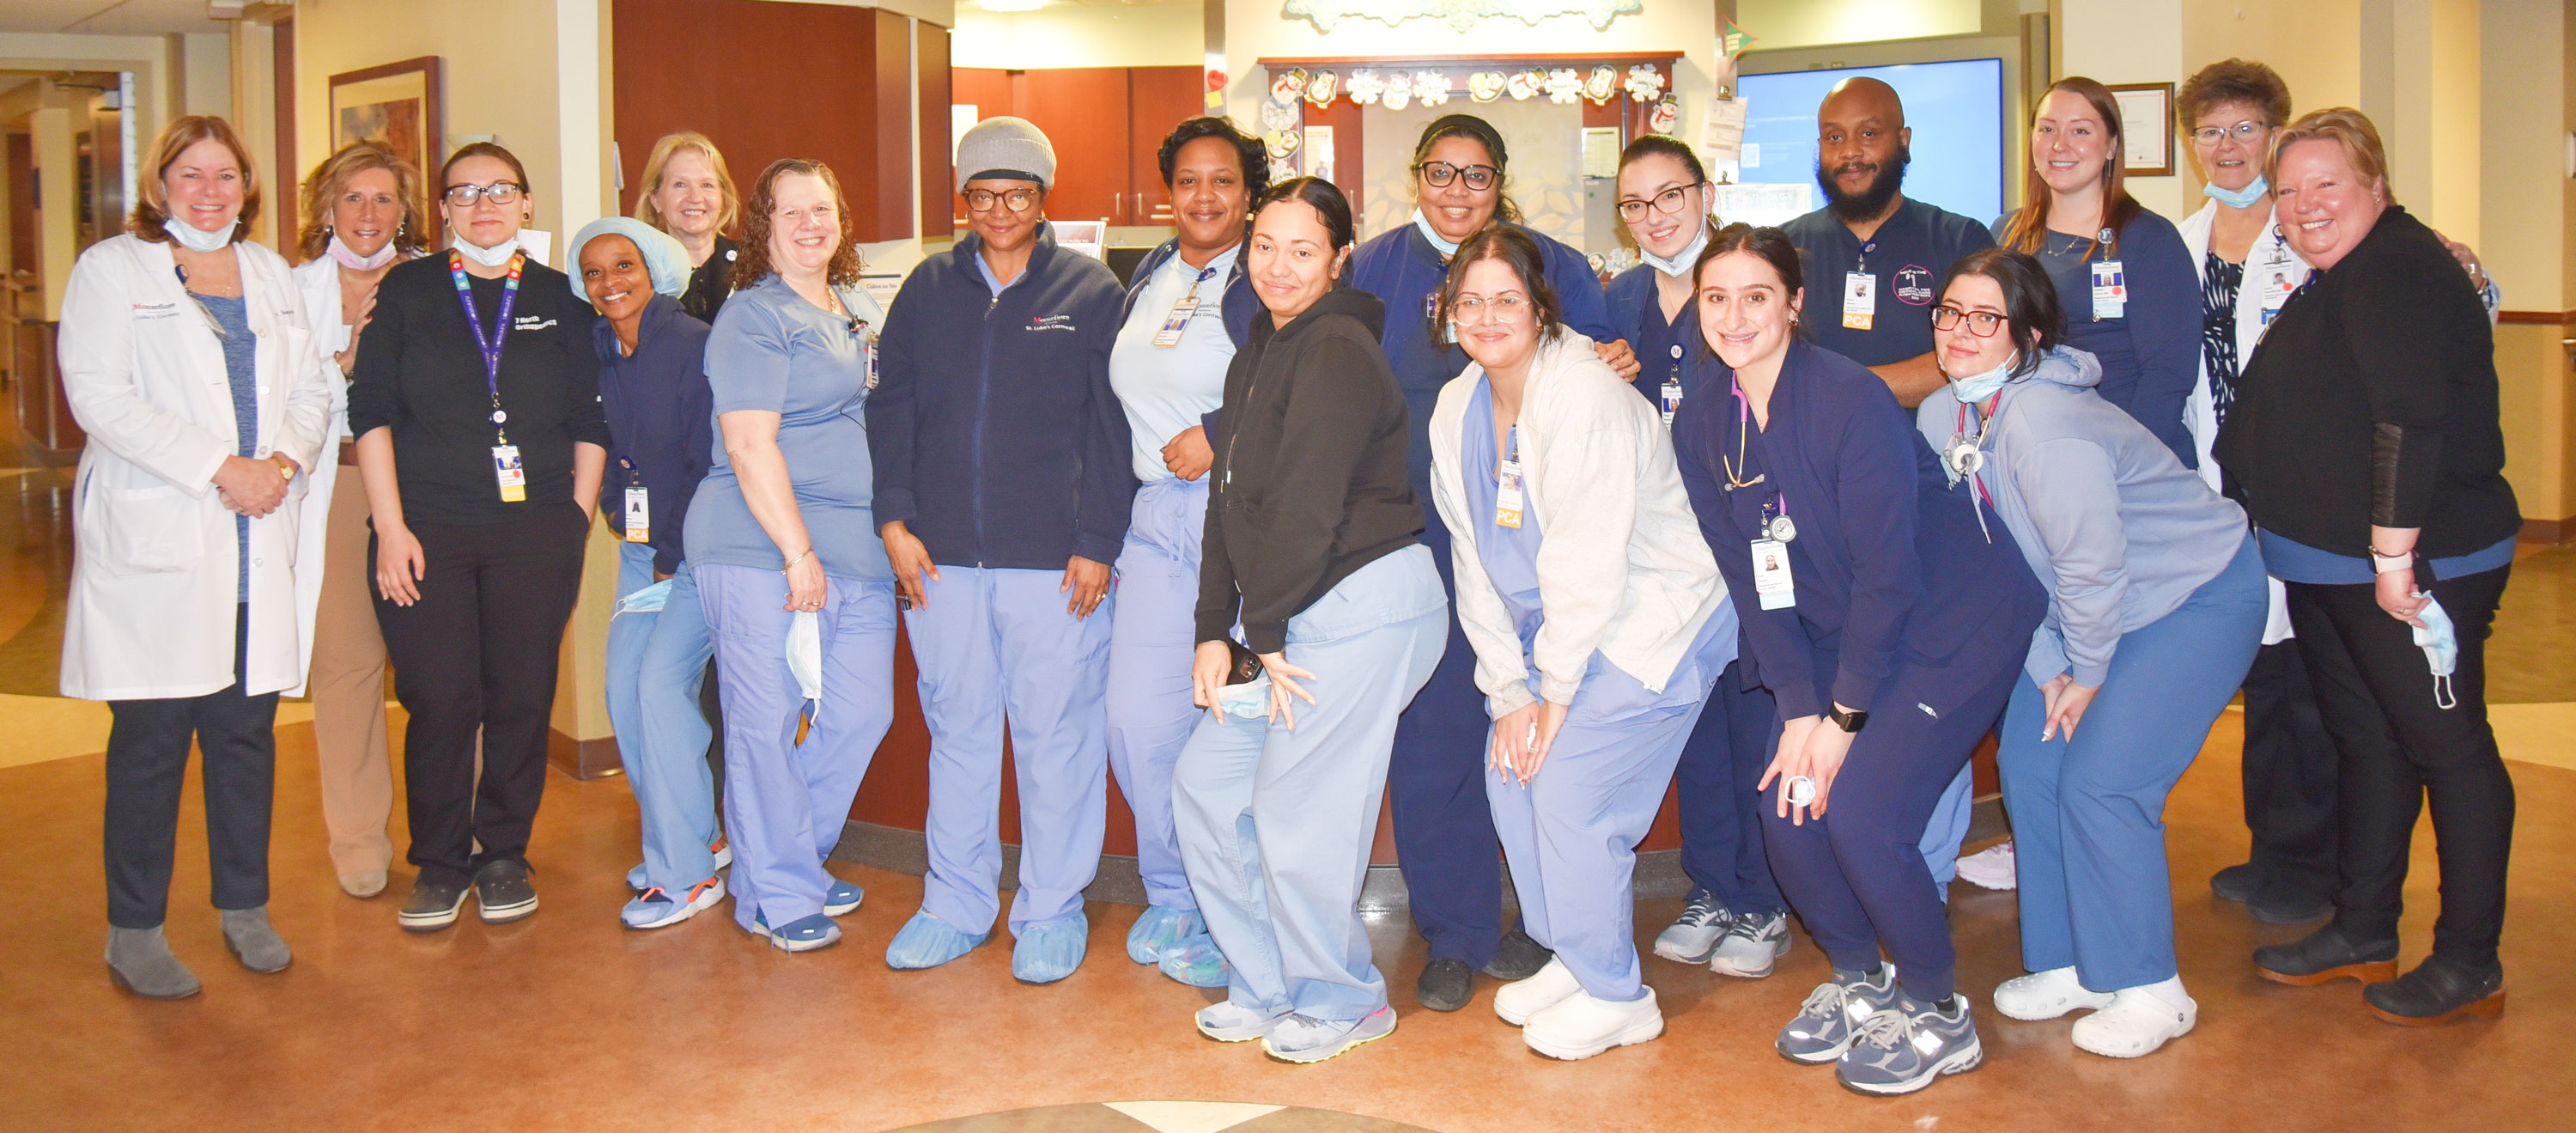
[(1866, 247), (490, 343), (1204, 273)]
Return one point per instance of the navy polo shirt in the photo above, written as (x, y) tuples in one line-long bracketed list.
[(1908, 254)]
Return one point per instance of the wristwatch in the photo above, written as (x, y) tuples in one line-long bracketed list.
[(1852, 721), (2383, 564), (285, 467)]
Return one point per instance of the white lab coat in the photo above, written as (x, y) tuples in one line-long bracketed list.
[(155, 562), (2256, 297), (318, 280)]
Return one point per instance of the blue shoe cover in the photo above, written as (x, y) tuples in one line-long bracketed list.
[(927, 942), (842, 898), (1196, 962), (1159, 928), (1050, 950)]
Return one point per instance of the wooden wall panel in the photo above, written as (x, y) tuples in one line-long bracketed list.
[(1158, 99), (714, 66), (1084, 113), (890, 158), (938, 177)]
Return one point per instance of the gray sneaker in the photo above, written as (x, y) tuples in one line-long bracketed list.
[(1692, 937), (1753, 944), (1298, 1038), (1902, 1049), (1832, 1015), (502, 892)]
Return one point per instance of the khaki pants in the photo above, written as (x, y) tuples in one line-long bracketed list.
[(348, 691)]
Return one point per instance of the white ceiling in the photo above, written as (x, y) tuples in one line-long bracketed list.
[(108, 17)]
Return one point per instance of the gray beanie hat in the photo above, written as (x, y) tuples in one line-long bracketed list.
[(1008, 148)]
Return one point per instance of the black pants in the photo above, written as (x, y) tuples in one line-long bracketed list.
[(478, 652), (2398, 746), (2289, 772), (147, 765)]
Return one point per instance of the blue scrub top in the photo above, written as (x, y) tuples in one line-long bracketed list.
[(772, 350), (1509, 554), (1404, 271), (2150, 352), (1666, 349), (1908, 255)]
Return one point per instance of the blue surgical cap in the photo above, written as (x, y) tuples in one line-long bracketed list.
[(664, 256)]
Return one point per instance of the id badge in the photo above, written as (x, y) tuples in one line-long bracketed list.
[(512, 478), (2110, 290), (1672, 397), (1448, 327), (1507, 494), (1176, 322), (1860, 300), (1771, 581), (639, 517)]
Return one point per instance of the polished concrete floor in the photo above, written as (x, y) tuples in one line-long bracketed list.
[(565, 1021)]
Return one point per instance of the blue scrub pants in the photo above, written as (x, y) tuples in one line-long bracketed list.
[(2088, 811), (656, 663), (786, 803), (1276, 822), (1150, 651), (1571, 833), (1721, 813), (997, 647), (1857, 876), (1444, 829)]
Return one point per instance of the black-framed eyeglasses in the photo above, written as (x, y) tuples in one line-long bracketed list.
[(498, 192), (1980, 323), (1667, 202), (2211, 135), (1017, 200), (1440, 173)]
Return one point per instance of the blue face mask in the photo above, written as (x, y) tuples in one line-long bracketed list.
[(1979, 387), (197, 239), (2441, 646), (1422, 224), (1679, 265), (2244, 198)]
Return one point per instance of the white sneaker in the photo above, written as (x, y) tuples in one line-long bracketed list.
[(1518, 1000), (1692, 937), (2047, 995), (1990, 868), (1580, 1026), (2135, 1024), (1229, 1022)]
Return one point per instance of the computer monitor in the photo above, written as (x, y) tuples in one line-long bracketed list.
[(1955, 108)]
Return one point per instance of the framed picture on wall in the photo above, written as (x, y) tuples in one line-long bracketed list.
[(403, 106), (2146, 127)]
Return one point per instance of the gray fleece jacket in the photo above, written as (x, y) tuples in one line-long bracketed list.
[(2116, 528)]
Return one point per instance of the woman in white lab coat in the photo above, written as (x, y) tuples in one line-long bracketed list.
[(185, 356), (362, 215)]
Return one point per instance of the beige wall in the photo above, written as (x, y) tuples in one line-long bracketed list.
[(1081, 35)]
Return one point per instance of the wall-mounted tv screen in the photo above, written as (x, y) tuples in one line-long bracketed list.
[(1956, 110)]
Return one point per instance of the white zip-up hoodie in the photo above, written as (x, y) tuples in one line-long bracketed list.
[(1622, 567)]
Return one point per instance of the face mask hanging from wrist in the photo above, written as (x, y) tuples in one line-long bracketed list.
[(197, 239), (488, 257), (2247, 197), (2441, 644)]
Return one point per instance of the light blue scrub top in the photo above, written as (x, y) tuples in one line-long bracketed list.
[(771, 350), (1167, 390)]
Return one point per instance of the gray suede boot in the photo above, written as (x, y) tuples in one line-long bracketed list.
[(247, 933), (139, 960)]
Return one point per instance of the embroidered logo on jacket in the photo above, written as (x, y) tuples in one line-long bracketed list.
[(1914, 284), (531, 322), (1051, 322)]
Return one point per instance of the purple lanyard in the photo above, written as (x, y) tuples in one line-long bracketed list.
[(490, 343)]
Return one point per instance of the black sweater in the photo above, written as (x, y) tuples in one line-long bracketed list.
[(2372, 401), (420, 373), (1309, 484)]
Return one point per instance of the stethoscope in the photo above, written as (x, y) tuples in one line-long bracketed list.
[(1965, 455), (1775, 511)]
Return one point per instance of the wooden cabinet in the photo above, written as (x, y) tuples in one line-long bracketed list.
[(1107, 124)]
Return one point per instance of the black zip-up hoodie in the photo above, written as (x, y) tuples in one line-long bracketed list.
[(1309, 485)]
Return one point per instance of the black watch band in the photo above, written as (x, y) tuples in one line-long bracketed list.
[(1852, 721)]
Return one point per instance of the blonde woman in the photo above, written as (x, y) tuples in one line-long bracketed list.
[(689, 194), (362, 215)]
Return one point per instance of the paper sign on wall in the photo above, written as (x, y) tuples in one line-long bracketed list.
[(1319, 152)]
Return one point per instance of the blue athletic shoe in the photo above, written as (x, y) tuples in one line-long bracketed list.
[(1050, 950), (1196, 962), (804, 934), (1159, 928), (658, 908), (1910, 1044), (842, 898), (927, 942), (1831, 1018)]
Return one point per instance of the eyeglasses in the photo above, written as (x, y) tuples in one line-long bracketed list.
[(2212, 135), (1980, 323), (498, 192), (1441, 173), (1017, 200), (1667, 202), (1506, 307)]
